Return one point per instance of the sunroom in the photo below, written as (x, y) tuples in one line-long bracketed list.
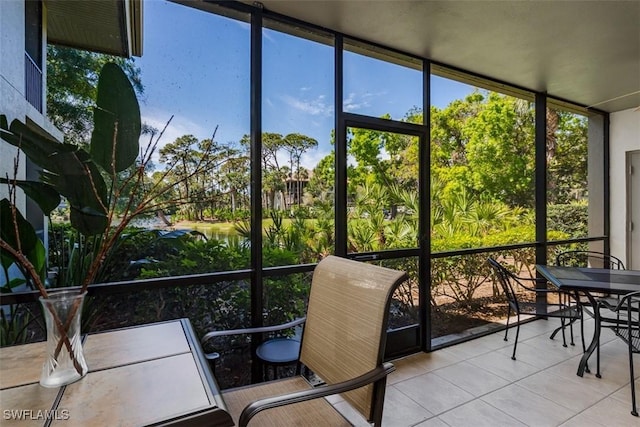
[(420, 136)]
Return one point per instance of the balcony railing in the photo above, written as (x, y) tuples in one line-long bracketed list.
[(33, 82)]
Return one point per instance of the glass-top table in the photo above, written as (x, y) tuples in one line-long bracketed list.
[(590, 281)]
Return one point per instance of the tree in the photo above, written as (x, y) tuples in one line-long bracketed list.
[(274, 176), (323, 177), (72, 80), (567, 162), (235, 179), (296, 145), (180, 154), (485, 144), (501, 150)]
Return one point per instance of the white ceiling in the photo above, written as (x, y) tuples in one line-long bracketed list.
[(586, 52), (106, 26)]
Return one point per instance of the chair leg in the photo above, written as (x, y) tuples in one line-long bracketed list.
[(567, 302), (564, 335), (634, 410), (515, 344), (584, 344), (571, 322), (506, 330), (599, 326)]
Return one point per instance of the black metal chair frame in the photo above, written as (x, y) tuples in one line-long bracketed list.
[(608, 261), (566, 308), (584, 258), (212, 357), (629, 331)]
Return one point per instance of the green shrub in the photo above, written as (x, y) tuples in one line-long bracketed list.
[(571, 219)]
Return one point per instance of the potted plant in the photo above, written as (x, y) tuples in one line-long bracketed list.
[(105, 186)]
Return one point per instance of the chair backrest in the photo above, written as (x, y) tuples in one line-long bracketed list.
[(592, 259), (630, 303), (505, 278), (345, 332)]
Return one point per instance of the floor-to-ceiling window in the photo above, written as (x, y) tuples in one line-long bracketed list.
[(482, 176), (382, 131), (575, 179), (337, 146)]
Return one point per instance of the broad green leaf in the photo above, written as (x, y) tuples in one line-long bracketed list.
[(43, 194), (30, 245), (26, 232), (38, 257), (117, 108), (85, 190), (15, 282), (6, 260), (38, 147), (88, 222), (69, 170)]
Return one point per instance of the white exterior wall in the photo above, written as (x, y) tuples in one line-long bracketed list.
[(13, 103), (12, 97), (624, 135)]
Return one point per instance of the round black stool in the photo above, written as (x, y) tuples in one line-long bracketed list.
[(278, 352)]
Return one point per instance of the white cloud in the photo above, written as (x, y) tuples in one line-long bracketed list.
[(310, 159), (178, 127), (356, 101), (352, 103), (315, 107)]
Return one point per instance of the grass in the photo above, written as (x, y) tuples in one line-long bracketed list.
[(228, 228), (209, 228)]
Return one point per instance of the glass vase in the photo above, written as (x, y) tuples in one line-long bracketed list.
[(64, 361)]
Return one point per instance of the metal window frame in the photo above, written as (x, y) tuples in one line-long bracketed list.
[(257, 272)]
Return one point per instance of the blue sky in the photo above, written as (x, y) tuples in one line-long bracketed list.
[(195, 66)]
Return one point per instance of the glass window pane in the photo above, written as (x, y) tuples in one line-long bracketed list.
[(406, 298), (467, 298), (567, 175), (195, 106), (482, 167), (380, 83), (297, 153), (382, 190), (286, 298)]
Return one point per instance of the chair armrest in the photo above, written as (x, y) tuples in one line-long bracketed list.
[(535, 280), (327, 390), (548, 289), (262, 329), (622, 303)]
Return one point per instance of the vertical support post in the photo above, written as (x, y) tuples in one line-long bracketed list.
[(424, 219), (541, 184), (340, 183), (606, 199), (256, 188)]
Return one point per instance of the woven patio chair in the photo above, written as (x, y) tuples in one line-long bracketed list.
[(343, 343)]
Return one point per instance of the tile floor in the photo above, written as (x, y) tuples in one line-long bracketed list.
[(477, 384)]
